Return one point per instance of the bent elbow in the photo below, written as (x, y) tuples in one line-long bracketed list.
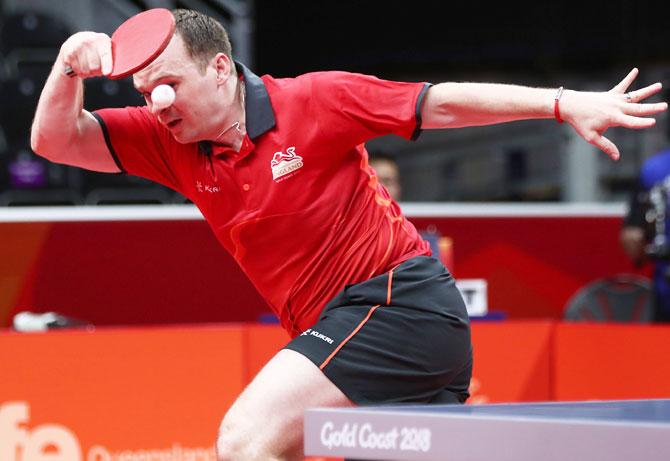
[(41, 149), (42, 146), (35, 142)]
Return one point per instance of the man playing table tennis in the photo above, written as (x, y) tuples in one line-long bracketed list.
[(278, 169)]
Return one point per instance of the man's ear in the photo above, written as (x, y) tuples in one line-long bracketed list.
[(223, 66)]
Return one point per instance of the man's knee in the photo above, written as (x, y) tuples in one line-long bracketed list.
[(232, 443), (236, 442)]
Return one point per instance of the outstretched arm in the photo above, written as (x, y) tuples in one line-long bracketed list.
[(62, 130), (453, 105)]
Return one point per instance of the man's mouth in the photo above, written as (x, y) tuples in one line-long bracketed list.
[(173, 124)]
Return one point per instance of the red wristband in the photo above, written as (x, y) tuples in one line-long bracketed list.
[(557, 112)]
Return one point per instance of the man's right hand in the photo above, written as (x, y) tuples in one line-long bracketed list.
[(88, 54)]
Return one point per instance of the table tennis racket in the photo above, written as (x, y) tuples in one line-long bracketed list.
[(138, 41)]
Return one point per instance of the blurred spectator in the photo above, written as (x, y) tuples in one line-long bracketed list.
[(387, 170), (646, 230)]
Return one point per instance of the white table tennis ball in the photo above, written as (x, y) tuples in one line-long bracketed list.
[(162, 96)]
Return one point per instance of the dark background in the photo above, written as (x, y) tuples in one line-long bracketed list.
[(427, 36)]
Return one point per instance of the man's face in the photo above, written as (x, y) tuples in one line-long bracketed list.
[(193, 115), (388, 174)]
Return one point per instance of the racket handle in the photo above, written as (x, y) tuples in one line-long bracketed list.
[(69, 72)]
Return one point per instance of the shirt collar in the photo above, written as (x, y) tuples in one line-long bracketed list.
[(259, 116)]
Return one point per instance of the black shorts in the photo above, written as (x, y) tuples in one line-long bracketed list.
[(400, 337)]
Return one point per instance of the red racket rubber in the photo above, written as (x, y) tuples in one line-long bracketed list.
[(138, 41)]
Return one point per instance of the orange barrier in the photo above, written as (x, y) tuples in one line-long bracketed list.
[(159, 393), (95, 396), (262, 342), (611, 362), (511, 361)]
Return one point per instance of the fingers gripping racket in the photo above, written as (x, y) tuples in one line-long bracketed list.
[(138, 41)]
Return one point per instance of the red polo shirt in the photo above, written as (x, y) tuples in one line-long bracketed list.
[(298, 207)]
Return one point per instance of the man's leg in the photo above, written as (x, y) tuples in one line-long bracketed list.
[(266, 421)]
